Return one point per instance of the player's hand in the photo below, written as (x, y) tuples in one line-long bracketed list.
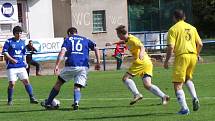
[(166, 65), (26, 65), (200, 59), (56, 70), (108, 44), (141, 57), (97, 67), (14, 61)]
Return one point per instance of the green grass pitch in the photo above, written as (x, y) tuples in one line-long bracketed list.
[(106, 98)]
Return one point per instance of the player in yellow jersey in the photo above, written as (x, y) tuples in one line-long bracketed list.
[(183, 40), (141, 66)]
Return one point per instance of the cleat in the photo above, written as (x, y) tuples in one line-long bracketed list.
[(136, 99), (184, 112), (165, 100), (75, 106), (10, 103), (33, 100), (196, 104), (43, 104)]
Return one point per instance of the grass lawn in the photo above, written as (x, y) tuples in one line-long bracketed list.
[(107, 99)]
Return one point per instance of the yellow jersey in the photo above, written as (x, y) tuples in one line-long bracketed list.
[(183, 37), (134, 44)]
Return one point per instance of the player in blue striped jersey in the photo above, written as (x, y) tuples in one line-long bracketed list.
[(75, 49), (14, 52)]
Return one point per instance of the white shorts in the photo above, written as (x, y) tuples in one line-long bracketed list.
[(79, 74), (17, 73)]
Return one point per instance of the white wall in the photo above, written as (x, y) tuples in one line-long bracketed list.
[(82, 18), (40, 19)]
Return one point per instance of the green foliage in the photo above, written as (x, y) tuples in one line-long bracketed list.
[(204, 17)]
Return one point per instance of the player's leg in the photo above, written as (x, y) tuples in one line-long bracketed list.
[(119, 61), (23, 76), (10, 91), (80, 81), (55, 90), (154, 89), (28, 69), (37, 65), (179, 73), (12, 77), (189, 83), (77, 96), (132, 87), (181, 98)]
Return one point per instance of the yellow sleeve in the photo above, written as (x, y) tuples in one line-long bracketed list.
[(137, 42), (171, 37), (197, 38)]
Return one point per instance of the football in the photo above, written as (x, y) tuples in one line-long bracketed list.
[(56, 103)]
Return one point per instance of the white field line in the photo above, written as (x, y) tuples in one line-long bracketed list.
[(107, 99)]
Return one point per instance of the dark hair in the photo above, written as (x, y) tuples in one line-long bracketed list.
[(121, 29), (72, 31), (17, 29), (179, 14)]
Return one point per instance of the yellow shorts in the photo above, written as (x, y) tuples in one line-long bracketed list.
[(141, 67), (184, 66)]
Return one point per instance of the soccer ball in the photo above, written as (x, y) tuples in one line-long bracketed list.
[(55, 103)]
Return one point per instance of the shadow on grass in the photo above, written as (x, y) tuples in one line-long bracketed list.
[(20, 111), (124, 116), (96, 107), (109, 107)]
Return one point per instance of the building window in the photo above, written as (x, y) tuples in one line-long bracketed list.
[(5, 28), (99, 22)]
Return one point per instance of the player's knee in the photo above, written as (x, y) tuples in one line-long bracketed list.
[(25, 81), (61, 79), (77, 86), (147, 86), (124, 78), (11, 85)]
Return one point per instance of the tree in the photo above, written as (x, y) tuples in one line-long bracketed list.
[(204, 17)]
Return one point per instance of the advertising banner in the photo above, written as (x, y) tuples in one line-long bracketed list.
[(8, 11), (47, 49)]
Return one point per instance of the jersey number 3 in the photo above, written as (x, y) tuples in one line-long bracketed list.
[(188, 34)]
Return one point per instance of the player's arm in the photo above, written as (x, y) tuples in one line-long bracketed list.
[(59, 60), (8, 57), (169, 52), (6, 54), (97, 54), (142, 51), (199, 46), (114, 43), (25, 61)]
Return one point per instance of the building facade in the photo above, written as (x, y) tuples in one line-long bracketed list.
[(96, 19)]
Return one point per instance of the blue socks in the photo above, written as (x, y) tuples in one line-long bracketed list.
[(52, 95), (10, 94), (77, 95), (29, 90)]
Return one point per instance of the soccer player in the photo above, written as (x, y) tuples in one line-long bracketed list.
[(141, 66), (119, 54), (30, 48), (185, 43), (14, 52), (76, 49)]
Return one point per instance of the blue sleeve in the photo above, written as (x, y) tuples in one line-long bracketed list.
[(91, 45), (6, 46), (65, 43)]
